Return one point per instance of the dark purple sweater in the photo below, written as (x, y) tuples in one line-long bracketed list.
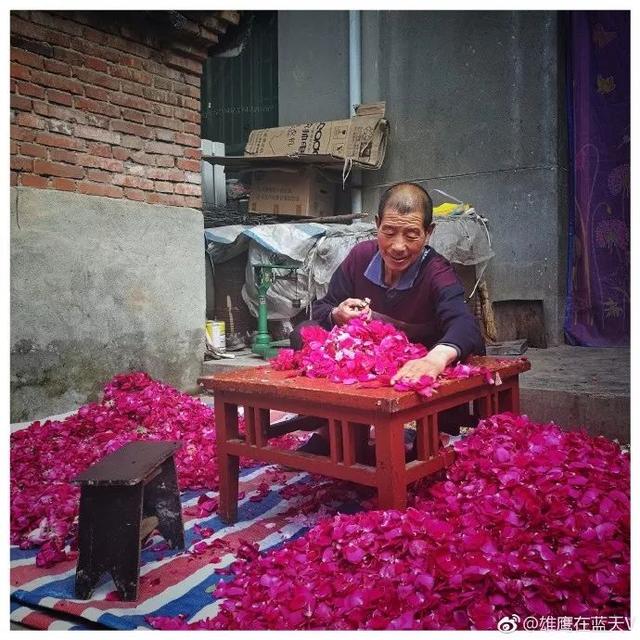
[(427, 303)]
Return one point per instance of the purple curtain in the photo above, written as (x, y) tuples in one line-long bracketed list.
[(598, 289)]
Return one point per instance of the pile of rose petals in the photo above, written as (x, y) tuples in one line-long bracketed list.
[(530, 520), (366, 352), (46, 456)]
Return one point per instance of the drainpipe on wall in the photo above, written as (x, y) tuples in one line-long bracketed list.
[(355, 97)]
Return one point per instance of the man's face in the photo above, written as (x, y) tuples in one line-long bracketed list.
[(401, 238)]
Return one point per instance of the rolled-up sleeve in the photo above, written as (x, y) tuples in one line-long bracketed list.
[(340, 288)]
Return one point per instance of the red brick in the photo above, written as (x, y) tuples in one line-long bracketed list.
[(188, 165), (187, 115), (30, 180), (29, 120), (190, 127), (70, 57), (100, 176), (13, 147), (100, 189), (131, 88), (162, 198), (173, 174), (162, 83), (41, 108), (166, 136), (89, 48), (134, 75), (55, 66), (134, 194), (56, 140), (54, 20), (56, 169), (104, 108), (193, 178), (134, 116), (63, 184), (163, 148), (188, 189), (59, 97), (101, 135), (33, 150), (98, 149), (131, 142), (163, 187), (57, 82), (132, 128), (20, 133), (108, 164), (175, 61), (195, 203), (188, 140), (66, 128), (19, 163), (97, 93), (30, 89), (26, 58), (90, 76), (143, 158), (132, 102), (120, 154), (194, 154), (160, 122), (96, 36), (154, 94), (163, 110), (13, 181), (135, 182), (63, 155), (20, 72), (193, 80), (20, 103), (165, 161), (97, 64), (35, 32), (182, 89)]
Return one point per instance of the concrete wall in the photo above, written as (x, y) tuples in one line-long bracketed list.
[(475, 102), (100, 286), (313, 66)]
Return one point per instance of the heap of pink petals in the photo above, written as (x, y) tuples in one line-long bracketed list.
[(365, 352), (530, 520), (46, 456)]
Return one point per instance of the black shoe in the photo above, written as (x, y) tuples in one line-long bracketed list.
[(298, 423), (316, 444)]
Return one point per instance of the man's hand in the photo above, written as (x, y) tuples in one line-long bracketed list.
[(351, 308), (433, 364)]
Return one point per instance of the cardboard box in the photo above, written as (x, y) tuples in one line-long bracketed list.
[(300, 192), (361, 141)]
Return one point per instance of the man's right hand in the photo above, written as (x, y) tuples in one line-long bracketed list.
[(349, 309)]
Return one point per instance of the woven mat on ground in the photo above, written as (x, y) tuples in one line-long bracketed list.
[(173, 582)]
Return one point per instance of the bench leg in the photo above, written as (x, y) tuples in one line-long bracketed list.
[(162, 499), (109, 539), (228, 464), (390, 466)]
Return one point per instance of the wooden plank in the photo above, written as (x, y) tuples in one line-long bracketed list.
[(335, 441), (133, 463)]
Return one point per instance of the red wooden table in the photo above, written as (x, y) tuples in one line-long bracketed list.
[(350, 412)]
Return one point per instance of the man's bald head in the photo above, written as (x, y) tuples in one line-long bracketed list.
[(405, 197)]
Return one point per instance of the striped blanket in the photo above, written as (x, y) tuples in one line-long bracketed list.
[(171, 582)]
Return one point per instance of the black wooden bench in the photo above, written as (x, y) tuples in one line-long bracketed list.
[(123, 498)]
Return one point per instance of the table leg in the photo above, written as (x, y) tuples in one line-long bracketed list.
[(228, 464), (390, 465)]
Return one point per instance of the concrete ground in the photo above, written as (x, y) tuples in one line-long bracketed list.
[(572, 386)]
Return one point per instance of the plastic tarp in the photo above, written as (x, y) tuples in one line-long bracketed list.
[(318, 250)]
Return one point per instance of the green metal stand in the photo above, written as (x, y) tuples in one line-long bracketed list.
[(263, 345)]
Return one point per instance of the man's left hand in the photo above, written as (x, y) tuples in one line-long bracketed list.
[(433, 364)]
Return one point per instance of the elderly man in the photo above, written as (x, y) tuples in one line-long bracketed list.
[(398, 278)]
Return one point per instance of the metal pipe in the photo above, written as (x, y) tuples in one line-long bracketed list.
[(355, 95)]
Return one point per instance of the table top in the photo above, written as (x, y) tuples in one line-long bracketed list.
[(265, 382)]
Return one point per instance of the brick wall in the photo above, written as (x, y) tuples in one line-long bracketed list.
[(100, 108)]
